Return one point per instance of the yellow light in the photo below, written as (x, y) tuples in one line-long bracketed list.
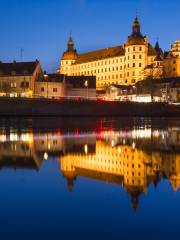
[(49, 146), (86, 148), (133, 145), (46, 156), (119, 150)]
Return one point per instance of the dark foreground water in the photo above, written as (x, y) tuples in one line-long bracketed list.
[(89, 178)]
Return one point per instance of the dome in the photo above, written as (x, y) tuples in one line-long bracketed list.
[(69, 55), (136, 37)]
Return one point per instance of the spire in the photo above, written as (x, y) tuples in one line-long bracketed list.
[(135, 204), (136, 26), (157, 45), (70, 44), (158, 49)]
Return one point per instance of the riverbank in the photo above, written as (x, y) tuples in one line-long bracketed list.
[(17, 107)]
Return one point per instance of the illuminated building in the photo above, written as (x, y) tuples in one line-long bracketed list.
[(18, 78), (125, 64)]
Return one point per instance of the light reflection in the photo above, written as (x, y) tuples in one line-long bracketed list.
[(133, 158)]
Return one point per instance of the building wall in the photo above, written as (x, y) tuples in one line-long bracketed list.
[(172, 66), (135, 62), (20, 86), (81, 92), (49, 89), (13, 85)]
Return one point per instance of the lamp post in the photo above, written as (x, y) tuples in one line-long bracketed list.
[(46, 77), (86, 84)]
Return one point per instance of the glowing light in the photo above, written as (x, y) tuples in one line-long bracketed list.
[(49, 146), (119, 150), (46, 156), (133, 145), (112, 143), (86, 148)]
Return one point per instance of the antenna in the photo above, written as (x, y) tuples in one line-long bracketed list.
[(21, 53), (136, 12)]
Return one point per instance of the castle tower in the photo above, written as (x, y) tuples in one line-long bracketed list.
[(136, 48), (69, 57)]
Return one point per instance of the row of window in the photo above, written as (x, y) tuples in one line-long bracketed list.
[(105, 70), (132, 81), (23, 84), (55, 90), (134, 49)]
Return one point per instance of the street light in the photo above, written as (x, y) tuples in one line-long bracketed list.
[(86, 84), (46, 78)]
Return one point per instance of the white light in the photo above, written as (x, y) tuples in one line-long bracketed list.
[(133, 145), (46, 156), (86, 148), (119, 150)]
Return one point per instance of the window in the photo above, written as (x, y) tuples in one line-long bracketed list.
[(13, 84), (140, 64), (13, 73), (24, 84), (140, 48), (134, 57), (55, 90), (140, 56), (134, 65), (42, 89), (134, 49)]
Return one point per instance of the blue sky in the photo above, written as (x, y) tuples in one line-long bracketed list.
[(42, 27)]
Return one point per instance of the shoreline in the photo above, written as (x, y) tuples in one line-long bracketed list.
[(21, 107)]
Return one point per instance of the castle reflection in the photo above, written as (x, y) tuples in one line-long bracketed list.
[(132, 158)]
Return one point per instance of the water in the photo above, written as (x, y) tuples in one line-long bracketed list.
[(89, 178)]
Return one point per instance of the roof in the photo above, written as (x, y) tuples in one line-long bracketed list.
[(108, 53), (151, 50), (135, 39), (80, 81), (18, 68), (70, 55), (52, 78), (101, 54)]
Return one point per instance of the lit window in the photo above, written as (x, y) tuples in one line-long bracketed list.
[(55, 90)]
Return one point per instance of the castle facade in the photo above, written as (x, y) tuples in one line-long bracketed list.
[(125, 64)]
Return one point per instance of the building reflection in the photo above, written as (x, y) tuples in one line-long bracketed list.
[(133, 159)]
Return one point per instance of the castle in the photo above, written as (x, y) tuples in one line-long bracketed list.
[(125, 64)]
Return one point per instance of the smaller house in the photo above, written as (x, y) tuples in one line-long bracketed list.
[(50, 86), (61, 86), (80, 86), (17, 79), (116, 92)]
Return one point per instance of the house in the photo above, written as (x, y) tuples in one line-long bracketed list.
[(17, 79), (50, 86), (62, 86), (80, 86)]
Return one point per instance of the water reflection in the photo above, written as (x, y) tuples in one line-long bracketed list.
[(132, 157)]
